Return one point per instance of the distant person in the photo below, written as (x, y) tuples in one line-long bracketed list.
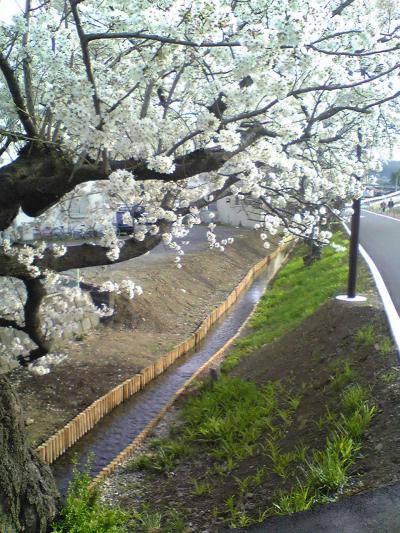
[(383, 206), (390, 204)]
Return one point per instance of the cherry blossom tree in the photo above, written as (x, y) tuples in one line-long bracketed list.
[(261, 98)]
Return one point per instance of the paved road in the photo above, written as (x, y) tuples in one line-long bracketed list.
[(196, 242), (376, 511), (380, 236)]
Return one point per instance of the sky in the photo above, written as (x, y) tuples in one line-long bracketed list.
[(10, 7)]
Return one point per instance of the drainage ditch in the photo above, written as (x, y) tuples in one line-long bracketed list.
[(119, 428)]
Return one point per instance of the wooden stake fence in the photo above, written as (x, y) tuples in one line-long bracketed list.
[(66, 437)]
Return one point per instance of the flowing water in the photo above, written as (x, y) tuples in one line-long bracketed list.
[(119, 428)]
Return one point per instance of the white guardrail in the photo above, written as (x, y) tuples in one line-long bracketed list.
[(376, 199)]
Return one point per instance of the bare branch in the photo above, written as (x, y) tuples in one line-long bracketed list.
[(217, 195), (86, 56), (250, 114), (26, 64), (146, 99), (6, 323), (182, 141), (151, 37), (339, 10), (17, 97), (356, 54), (126, 95), (339, 86)]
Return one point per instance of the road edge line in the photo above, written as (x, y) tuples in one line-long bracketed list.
[(390, 310), (381, 215)]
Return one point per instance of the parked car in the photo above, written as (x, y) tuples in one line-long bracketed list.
[(136, 211)]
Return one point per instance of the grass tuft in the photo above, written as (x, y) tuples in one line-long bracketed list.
[(300, 498), (344, 374), (84, 513), (366, 336), (163, 458)]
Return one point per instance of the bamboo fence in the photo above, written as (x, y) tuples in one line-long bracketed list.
[(67, 436)]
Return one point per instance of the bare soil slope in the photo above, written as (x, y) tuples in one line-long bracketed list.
[(173, 304)]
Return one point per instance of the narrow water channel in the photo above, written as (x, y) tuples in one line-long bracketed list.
[(118, 429)]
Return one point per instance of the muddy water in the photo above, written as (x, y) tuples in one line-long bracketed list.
[(118, 429)]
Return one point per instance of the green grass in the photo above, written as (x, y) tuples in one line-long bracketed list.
[(385, 346), (300, 498), (326, 471), (344, 374), (230, 417), (366, 336), (84, 513), (163, 458), (354, 397), (390, 376), (225, 422), (251, 481), (296, 294), (201, 487), (356, 423)]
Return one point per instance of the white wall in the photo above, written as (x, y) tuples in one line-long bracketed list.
[(235, 212)]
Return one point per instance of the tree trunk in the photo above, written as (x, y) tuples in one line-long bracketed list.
[(313, 255), (28, 494)]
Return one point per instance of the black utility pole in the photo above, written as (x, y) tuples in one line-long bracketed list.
[(355, 235)]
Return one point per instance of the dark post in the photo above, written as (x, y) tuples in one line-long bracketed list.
[(353, 250), (354, 237)]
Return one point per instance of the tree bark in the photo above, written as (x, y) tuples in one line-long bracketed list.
[(41, 175), (35, 292), (28, 494)]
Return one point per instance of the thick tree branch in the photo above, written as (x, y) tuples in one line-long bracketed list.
[(5, 146), (82, 255), (151, 37), (6, 323), (17, 97), (339, 10), (35, 292), (91, 255)]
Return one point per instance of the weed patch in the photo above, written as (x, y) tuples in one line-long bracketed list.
[(344, 374), (84, 513), (327, 470), (296, 294), (163, 457), (366, 336)]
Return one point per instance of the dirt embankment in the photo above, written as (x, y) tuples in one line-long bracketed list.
[(173, 304)]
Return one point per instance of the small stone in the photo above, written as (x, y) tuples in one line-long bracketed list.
[(29, 421), (379, 447)]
